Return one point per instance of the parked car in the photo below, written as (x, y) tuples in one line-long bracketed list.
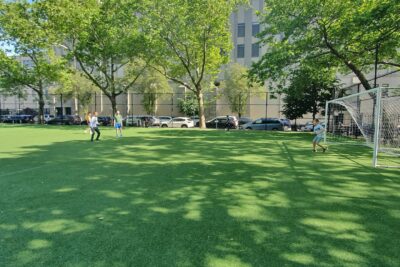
[(244, 120), (18, 119), (105, 120), (195, 119), (65, 120), (309, 127), (164, 119), (287, 125), (220, 122), (142, 120), (46, 118), (264, 124), (4, 117), (178, 122)]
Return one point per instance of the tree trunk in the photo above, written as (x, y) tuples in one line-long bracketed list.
[(359, 75), (200, 99), (113, 100), (314, 112), (41, 107), (347, 62)]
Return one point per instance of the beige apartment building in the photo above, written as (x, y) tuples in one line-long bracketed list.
[(244, 27)]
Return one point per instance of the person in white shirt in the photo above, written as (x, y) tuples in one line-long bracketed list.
[(319, 135), (94, 126)]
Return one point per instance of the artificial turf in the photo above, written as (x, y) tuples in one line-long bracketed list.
[(160, 197)]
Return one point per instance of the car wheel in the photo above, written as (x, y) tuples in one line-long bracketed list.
[(184, 126), (275, 129), (164, 126), (249, 128)]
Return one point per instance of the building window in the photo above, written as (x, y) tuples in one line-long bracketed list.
[(241, 30), (255, 29), (240, 51), (255, 50)]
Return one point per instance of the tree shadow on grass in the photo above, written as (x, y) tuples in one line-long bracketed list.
[(196, 198)]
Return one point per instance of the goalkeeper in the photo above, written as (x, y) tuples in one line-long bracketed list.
[(319, 135)]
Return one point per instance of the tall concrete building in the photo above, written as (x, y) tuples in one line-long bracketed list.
[(245, 26)]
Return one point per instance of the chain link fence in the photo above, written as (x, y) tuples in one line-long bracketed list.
[(163, 104)]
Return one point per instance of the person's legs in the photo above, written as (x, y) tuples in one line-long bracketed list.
[(98, 133), (316, 142), (92, 134), (323, 148)]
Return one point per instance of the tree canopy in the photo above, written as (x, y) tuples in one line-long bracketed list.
[(24, 27), (104, 38), (238, 88), (342, 33), (191, 40), (308, 90)]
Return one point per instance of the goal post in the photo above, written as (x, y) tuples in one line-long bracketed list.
[(370, 118)]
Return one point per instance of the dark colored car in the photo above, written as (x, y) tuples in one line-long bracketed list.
[(4, 117), (18, 119), (103, 121), (65, 120), (264, 124), (244, 120), (221, 123)]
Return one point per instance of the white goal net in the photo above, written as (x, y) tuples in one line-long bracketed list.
[(370, 118)]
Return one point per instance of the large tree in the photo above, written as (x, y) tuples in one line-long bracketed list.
[(152, 85), (307, 90), (104, 38), (238, 88), (75, 85), (350, 34), (33, 63), (191, 40)]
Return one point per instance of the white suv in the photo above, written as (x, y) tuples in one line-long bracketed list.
[(178, 122)]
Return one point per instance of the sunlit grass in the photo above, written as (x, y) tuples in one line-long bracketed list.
[(160, 197)]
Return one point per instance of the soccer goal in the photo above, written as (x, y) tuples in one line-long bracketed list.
[(369, 118)]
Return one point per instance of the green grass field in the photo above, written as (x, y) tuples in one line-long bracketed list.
[(192, 198)]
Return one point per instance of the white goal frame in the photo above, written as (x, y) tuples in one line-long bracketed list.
[(377, 119)]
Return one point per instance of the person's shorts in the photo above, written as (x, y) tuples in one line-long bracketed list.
[(118, 125), (318, 139)]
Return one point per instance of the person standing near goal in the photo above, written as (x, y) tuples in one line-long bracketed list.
[(118, 124), (319, 135), (94, 126)]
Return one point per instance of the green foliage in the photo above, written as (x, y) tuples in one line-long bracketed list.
[(152, 85), (294, 107), (24, 27), (74, 84), (308, 91), (189, 105), (189, 54), (104, 38), (340, 33), (237, 87)]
